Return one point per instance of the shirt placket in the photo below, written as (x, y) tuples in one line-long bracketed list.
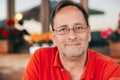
[(65, 74)]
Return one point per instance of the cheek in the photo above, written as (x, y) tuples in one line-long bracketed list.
[(85, 37), (57, 40)]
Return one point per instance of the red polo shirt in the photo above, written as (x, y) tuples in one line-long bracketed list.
[(45, 65)]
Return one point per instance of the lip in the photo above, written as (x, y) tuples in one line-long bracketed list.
[(73, 44)]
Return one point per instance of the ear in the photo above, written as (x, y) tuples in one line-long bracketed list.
[(89, 33), (53, 37), (89, 38)]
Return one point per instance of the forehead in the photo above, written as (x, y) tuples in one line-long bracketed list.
[(69, 14), (68, 9)]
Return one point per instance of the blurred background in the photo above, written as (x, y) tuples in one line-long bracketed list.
[(24, 27)]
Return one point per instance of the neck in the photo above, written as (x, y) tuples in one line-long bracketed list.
[(74, 65), (76, 61)]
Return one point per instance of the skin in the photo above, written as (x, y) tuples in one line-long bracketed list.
[(72, 46)]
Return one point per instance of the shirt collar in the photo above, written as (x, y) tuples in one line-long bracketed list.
[(56, 61)]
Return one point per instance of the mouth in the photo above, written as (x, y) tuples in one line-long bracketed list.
[(73, 44)]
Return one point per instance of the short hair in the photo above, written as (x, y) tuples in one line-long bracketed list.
[(65, 3)]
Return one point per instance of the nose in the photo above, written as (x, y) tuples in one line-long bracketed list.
[(72, 34)]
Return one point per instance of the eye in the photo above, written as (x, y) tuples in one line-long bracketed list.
[(78, 27), (62, 29)]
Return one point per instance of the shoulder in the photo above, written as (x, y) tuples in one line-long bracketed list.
[(43, 56), (45, 51), (103, 63), (99, 57)]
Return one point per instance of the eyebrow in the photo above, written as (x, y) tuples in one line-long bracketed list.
[(78, 24), (63, 26)]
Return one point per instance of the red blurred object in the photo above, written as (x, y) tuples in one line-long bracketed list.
[(16, 32), (9, 22), (119, 19), (105, 33), (1, 29), (5, 34), (118, 31), (8, 33)]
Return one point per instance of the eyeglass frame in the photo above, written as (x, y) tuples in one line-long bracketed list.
[(68, 29)]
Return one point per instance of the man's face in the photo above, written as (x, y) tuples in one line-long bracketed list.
[(72, 44)]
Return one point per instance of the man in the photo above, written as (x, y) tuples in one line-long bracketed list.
[(70, 59)]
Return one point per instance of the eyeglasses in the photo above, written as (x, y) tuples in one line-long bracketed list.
[(65, 30)]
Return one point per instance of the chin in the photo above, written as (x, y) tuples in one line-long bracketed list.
[(74, 53)]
